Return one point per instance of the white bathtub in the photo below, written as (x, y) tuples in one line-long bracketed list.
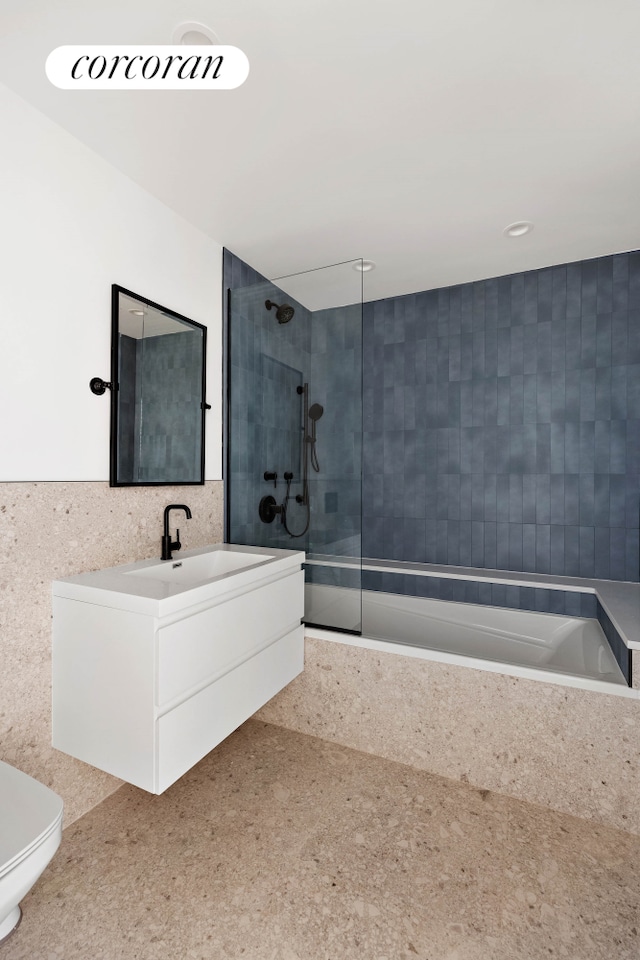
[(569, 647)]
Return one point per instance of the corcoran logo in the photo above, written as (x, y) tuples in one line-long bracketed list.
[(98, 67)]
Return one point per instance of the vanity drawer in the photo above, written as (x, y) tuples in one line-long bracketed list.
[(209, 643), (188, 732)]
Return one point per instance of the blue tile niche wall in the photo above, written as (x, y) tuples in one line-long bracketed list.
[(502, 422), (265, 364)]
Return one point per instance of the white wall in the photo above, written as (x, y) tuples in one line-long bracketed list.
[(70, 226)]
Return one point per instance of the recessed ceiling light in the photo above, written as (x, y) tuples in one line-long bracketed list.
[(137, 313), (364, 266), (193, 33), (518, 229)]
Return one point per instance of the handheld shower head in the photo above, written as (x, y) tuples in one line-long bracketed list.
[(284, 313), (314, 413)]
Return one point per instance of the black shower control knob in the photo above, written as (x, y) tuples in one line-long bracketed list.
[(271, 475), (269, 509)]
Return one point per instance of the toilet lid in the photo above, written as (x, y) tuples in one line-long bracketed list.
[(28, 811)]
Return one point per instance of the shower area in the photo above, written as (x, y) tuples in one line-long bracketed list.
[(450, 548), (293, 383)]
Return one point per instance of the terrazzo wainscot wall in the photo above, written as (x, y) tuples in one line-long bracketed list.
[(56, 529)]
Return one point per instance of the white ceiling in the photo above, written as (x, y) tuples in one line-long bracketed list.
[(140, 321), (409, 133)]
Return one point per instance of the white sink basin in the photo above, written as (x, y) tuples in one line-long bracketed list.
[(164, 587), (200, 568)]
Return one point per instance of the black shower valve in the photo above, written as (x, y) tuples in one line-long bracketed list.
[(269, 509), (271, 475), (288, 476)]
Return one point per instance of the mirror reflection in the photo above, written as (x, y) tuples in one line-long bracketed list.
[(158, 364)]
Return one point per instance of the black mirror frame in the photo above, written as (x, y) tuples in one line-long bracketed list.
[(116, 290)]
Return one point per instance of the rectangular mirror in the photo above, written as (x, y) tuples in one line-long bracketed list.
[(158, 395)]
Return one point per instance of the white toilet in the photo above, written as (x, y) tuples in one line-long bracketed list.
[(30, 834)]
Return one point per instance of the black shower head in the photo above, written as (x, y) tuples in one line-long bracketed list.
[(284, 313), (315, 411)]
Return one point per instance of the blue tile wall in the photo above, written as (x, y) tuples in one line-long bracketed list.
[(568, 603), (335, 381), (501, 422), (617, 644), (164, 385), (169, 389), (127, 409), (265, 363), (333, 576)]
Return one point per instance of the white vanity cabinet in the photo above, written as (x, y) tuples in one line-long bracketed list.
[(144, 686)]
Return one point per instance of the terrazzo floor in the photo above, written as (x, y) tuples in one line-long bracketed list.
[(280, 846)]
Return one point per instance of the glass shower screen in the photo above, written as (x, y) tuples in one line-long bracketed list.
[(294, 430)]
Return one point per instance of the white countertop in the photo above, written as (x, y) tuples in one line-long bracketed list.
[(113, 587)]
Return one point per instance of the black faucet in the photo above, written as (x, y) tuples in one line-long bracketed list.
[(167, 545)]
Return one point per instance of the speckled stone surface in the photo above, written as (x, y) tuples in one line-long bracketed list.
[(568, 749), (280, 846), (51, 530)]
